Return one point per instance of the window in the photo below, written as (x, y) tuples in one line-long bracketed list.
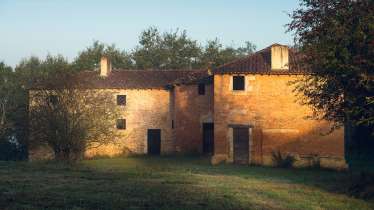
[(201, 89), (238, 83), (52, 99), (121, 124), (121, 100)]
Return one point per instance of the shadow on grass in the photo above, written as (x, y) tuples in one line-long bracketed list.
[(61, 186), (149, 183), (326, 179)]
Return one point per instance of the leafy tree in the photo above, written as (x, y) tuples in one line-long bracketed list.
[(336, 40), (214, 54), (246, 50), (7, 104), (12, 129), (66, 115), (173, 50), (89, 58)]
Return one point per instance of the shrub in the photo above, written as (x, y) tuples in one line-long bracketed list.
[(12, 151), (282, 161), (362, 185), (315, 162)]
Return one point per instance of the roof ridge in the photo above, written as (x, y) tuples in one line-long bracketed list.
[(239, 60), (164, 70)]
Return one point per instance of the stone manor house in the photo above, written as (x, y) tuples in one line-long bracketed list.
[(239, 112)]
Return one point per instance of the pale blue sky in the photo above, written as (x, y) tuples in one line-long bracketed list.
[(38, 27)]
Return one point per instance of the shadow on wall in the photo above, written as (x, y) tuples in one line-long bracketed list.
[(306, 147)]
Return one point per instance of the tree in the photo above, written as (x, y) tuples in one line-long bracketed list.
[(248, 49), (66, 115), (12, 129), (214, 54), (175, 50), (336, 40), (7, 104), (170, 50), (89, 58)]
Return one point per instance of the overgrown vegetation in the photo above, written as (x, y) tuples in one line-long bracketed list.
[(168, 50), (282, 160), (170, 183), (336, 40), (67, 115)]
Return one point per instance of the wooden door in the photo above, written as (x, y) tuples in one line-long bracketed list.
[(241, 145), (208, 138), (154, 141)]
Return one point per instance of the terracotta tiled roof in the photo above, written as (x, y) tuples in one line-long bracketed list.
[(260, 62), (141, 79)]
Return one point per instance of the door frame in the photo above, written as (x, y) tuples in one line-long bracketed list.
[(147, 141), (231, 141), (203, 138)]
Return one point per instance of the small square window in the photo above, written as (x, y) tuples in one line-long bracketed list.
[(201, 89), (121, 124), (121, 100), (52, 99), (238, 83)]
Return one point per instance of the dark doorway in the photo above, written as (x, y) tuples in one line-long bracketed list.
[(154, 141), (208, 138), (241, 145)]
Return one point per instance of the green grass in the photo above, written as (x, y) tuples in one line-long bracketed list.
[(169, 183)]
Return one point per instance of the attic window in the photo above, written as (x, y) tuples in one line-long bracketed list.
[(238, 83), (121, 100), (201, 89), (121, 124)]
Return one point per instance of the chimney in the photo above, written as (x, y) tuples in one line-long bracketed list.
[(279, 57), (105, 66)]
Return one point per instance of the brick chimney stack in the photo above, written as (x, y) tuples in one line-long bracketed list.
[(279, 57), (105, 66)]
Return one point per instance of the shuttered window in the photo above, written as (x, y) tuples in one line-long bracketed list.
[(121, 124), (201, 89), (238, 83), (121, 100)]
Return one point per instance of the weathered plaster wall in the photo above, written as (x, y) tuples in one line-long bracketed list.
[(145, 109), (269, 105), (191, 110)]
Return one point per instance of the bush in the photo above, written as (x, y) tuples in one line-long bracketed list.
[(315, 162), (12, 151), (282, 161), (362, 185)]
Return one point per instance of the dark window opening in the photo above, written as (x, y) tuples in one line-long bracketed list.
[(121, 124), (52, 99), (238, 83), (121, 100), (201, 89)]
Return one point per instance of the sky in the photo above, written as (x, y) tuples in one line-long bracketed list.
[(38, 27)]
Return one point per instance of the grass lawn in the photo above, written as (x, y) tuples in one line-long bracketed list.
[(169, 183)]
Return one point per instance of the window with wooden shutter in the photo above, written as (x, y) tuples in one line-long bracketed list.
[(201, 89), (121, 100), (238, 83), (121, 124)]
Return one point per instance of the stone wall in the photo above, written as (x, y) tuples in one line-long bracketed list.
[(277, 121), (191, 110), (145, 109)]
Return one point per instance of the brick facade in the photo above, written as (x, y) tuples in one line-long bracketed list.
[(191, 111), (276, 120), (267, 107)]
